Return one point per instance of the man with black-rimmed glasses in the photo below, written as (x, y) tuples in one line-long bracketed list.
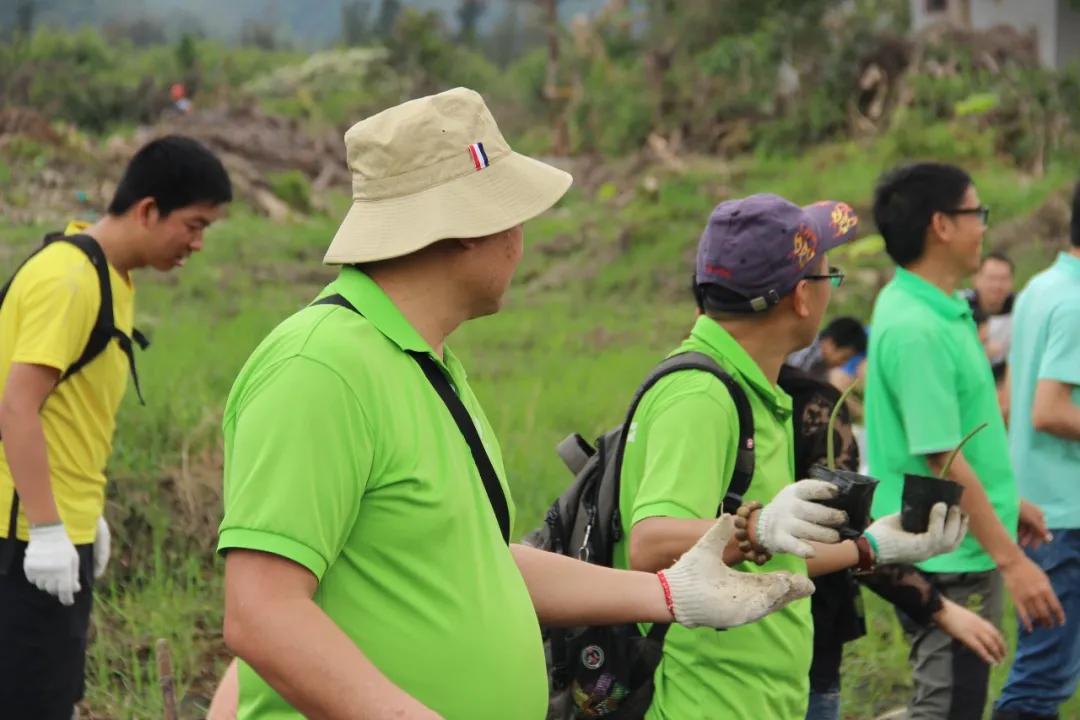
[(928, 384)]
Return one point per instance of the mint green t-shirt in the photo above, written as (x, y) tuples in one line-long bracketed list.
[(340, 456), (1046, 346), (679, 458), (929, 383)]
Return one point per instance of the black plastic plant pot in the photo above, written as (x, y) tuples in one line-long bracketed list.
[(855, 497), (921, 493)]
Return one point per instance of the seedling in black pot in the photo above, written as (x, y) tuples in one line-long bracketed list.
[(921, 493), (856, 491)]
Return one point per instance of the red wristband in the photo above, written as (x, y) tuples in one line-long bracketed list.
[(866, 554), (667, 593)]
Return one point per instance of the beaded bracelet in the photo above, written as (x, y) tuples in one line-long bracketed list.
[(752, 552)]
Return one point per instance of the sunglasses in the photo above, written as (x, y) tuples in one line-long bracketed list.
[(982, 212), (835, 276)]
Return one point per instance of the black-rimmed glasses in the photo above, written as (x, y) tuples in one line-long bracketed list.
[(982, 212), (835, 276)]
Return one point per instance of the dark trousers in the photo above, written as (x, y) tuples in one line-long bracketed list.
[(42, 643), (951, 682)]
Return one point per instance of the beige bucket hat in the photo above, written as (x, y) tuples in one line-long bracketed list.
[(436, 168)]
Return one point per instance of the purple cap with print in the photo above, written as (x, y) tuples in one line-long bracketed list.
[(759, 247)]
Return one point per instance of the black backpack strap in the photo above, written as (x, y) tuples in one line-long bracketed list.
[(104, 330), (438, 380), (743, 473)]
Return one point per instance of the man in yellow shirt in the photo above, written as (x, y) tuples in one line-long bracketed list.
[(66, 324)]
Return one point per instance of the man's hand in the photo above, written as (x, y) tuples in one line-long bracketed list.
[(795, 515), (102, 546), (944, 533), (52, 563), (1032, 594), (1031, 530), (977, 633), (706, 592)]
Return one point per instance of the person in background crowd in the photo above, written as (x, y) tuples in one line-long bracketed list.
[(842, 344), (991, 295), (1044, 439)]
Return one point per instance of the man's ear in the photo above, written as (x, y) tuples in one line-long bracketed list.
[(800, 299), (146, 212), (941, 225)]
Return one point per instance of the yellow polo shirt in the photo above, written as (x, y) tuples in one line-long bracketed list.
[(46, 319)]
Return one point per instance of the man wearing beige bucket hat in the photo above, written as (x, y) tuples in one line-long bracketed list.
[(368, 569)]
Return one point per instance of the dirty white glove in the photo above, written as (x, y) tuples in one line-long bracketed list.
[(706, 592), (51, 563), (892, 545), (793, 516), (102, 547)]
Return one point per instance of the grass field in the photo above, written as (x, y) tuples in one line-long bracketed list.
[(601, 295)]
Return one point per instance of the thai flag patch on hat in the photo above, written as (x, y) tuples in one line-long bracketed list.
[(479, 157)]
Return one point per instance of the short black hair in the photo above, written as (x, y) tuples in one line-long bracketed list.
[(1000, 257), (847, 332), (905, 201), (1074, 226), (176, 171)]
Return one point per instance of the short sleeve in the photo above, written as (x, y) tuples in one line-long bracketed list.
[(689, 457), (1061, 357), (298, 455), (921, 377), (56, 307)]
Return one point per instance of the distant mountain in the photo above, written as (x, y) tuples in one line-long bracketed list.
[(308, 23)]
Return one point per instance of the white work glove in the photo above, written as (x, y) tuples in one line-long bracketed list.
[(52, 563), (792, 516), (102, 546), (892, 545), (706, 592)]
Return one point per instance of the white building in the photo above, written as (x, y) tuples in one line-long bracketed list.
[(1055, 23)]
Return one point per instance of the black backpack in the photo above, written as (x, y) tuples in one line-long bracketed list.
[(103, 332), (607, 671)]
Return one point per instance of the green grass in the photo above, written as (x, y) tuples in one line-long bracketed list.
[(600, 296)]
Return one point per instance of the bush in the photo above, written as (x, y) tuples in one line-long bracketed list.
[(293, 187)]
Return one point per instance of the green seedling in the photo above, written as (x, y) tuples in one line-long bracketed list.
[(830, 445), (952, 456)]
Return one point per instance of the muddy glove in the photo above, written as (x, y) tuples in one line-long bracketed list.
[(51, 563), (793, 516), (892, 545), (704, 592), (102, 546)]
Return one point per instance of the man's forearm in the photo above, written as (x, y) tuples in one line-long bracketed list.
[(565, 591), (985, 525), (27, 457), (657, 542), (306, 658), (832, 558)]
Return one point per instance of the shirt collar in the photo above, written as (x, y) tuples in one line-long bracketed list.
[(1069, 263), (948, 306), (373, 303), (710, 332)]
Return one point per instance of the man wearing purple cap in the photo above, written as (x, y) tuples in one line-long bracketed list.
[(762, 286)]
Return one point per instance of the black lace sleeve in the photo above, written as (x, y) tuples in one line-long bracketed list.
[(907, 588), (812, 428)]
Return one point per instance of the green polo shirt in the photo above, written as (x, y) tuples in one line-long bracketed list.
[(929, 383), (679, 458), (340, 456)]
